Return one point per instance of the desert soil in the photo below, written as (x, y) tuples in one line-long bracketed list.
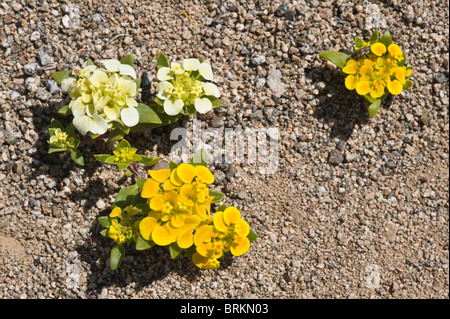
[(358, 208)]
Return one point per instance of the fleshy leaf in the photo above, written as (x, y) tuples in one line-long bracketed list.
[(338, 58), (149, 161), (252, 235), (128, 59), (142, 244), (65, 110), (147, 114), (61, 75), (174, 250), (102, 157), (374, 37), (105, 221), (200, 158), (117, 255), (407, 84), (373, 108), (77, 157), (126, 195), (386, 39), (162, 61), (217, 196)]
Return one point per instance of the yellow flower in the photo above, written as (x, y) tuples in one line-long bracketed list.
[(395, 87), (378, 49), (363, 87), (351, 67), (350, 82), (235, 228), (395, 51)]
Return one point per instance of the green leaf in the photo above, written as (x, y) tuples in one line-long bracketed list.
[(65, 110), (162, 61), (104, 233), (123, 144), (165, 119), (217, 196), (142, 244), (200, 158), (89, 62), (128, 59), (138, 83), (358, 42), (111, 160), (122, 166), (407, 85), (60, 76), (386, 39), (221, 208), (373, 108), (102, 157), (174, 250), (117, 255), (147, 114), (190, 251), (116, 135), (338, 58), (105, 221), (159, 101), (56, 124), (374, 37), (172, 165), (214, 101), (56, 149), (77, 157), (70, 130), (140, 182), (252, 235), (149, 161), (126, 195)]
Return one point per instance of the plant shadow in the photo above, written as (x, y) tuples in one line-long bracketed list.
[(338, 107), (139, 269)]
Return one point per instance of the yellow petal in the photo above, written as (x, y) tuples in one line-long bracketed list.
[(400, 75), (363, 87), (350, 67), (240, 246), (175, 179), (115, 212), (204, 174), (192, 221), (187, 192), (202, 234), (185, 239), (395, 51), (378, 49), (231, 215), (204, 248), (244, 228), (350, 82), (161, 175), (146, 227), (150, 188), (177, 221), (186, 172), (172, 197), (205, 262), (157, 202), (162, 235), (219, 223), (167, 186), (395, 87)]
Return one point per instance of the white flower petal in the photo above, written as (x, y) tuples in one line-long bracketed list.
[(112, 65), (126, 69), (112, 112), (161, 89), (99, 125), (203, 105), (98, 78), (67, 83), (173, 107), (176, 68), (163, 74), (191, 64), (131, 101), (129, 116), (78, 107), (82, 123), (211, 89), (206, 71)]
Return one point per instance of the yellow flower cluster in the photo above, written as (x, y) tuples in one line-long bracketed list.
[(381, 68), (179, 214)]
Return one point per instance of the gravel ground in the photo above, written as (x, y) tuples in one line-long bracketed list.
[(357, 209)]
